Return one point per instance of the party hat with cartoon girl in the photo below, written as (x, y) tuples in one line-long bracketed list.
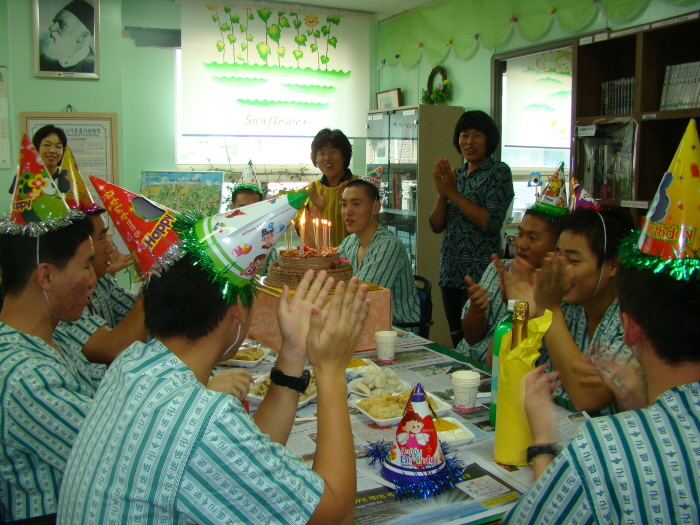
[(78, 197), (415, 462), (669, 238), (145, 226), (37, 205), (553, 201)]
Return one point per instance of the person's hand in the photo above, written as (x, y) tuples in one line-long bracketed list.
[(235, 382), (318, 199), (518, 283), (539, 405), (445, 178), (478, 295), (294, 315), (550, 283), (332, 338), (118, 261), (628, 383)]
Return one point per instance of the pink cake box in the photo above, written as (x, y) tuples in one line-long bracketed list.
[(266, 329)]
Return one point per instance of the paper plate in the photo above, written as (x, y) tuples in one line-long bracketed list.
[(256, 397), (246, 364), (351, 387), (361, 370), (442, 409), (456, 442)]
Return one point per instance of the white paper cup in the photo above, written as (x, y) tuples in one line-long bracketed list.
[(386, 345), (465, 385)]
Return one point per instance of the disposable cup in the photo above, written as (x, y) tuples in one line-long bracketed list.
[(386, 345), (465, 385)]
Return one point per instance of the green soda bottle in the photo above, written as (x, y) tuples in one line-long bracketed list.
[(504, 326)]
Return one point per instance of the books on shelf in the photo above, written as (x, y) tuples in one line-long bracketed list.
[(681, 88), (617, 96)]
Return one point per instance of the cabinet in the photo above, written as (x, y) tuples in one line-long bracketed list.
[(642, 53), (406, 141)]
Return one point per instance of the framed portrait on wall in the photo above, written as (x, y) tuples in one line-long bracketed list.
[(66, 38)]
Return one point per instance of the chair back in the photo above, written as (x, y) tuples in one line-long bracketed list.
[(425, 295)]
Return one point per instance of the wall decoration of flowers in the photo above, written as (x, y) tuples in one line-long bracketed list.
[(440, 94)]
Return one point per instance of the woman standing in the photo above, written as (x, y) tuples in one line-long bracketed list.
[(470, 209), (331, 152), (50, 142)]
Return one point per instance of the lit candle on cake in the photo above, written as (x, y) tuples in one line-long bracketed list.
[(316, 233), (302, 230), (328, 233)]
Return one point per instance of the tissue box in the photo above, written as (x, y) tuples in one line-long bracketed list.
[(266, 329)]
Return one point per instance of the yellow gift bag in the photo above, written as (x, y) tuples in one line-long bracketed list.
[(513, 431)]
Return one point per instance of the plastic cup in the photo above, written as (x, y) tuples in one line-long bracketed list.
[(465, 385), (386, 345)]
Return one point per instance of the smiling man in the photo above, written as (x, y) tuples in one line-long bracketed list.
[(69, 45), (377, 255)]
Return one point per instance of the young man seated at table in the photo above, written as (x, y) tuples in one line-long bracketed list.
[(377, 255), (538, 234), (160, 448), (640, 466)]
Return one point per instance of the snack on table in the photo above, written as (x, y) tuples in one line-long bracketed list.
[(389, 406), (259, 389), (291, 268), (251, 353), (378, 381)]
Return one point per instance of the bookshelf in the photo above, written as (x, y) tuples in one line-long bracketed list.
[(643, 53)]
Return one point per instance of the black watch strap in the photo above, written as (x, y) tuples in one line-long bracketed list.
[(536, 450), (300, 384)]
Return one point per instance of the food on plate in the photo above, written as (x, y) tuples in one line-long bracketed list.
[(259, 388), (388, 406), (250, 353), (356, 362), (379, 381), (449, 431)]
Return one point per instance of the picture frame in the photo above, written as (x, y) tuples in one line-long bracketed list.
[(388, 99), (66, 38), (92, 138)]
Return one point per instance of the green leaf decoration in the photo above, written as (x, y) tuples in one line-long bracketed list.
[(244, 28), (244, 46), (309, 32), (333, 20), (293, 14), (249, 38), (317, 34), (274, 32), (241, 57), (280, 13), (325, 30), (231, 39), (297, 54), (333, 41), (227, 9), (297, 24), (235, 19), (214, 17), (263, 50), (281, 51), (219, 45), (251, 16), (324, 59), (225, 27), (314, 47), (284, 22), (300, 40), (264, 14)]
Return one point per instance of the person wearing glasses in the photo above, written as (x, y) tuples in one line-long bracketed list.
[(50, 142)]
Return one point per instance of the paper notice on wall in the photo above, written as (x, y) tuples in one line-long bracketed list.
[(5, 159)]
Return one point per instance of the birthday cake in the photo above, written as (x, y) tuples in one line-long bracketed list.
[(292, 267)]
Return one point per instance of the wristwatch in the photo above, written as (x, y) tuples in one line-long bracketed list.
[(300, 384), (536, 450)]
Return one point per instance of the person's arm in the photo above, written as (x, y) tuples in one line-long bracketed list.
[(234, 382), (564, 353), (474, 323), (107, 343), (331, 343), (539, 408), (446, 184), (276, 413), (119, 261)]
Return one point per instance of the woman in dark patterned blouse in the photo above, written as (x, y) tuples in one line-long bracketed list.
[(470, 209)]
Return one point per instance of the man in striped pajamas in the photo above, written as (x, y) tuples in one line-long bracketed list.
[(377, 255), (640, 466)]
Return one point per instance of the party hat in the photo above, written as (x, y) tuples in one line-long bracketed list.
[(249, 180), (669, 238), (374, 177), (37, 205), (552, 202), (582, 199), (232, 246), (77, 197), (145, 226)]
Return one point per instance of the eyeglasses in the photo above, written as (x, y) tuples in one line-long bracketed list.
[(56, 147)]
